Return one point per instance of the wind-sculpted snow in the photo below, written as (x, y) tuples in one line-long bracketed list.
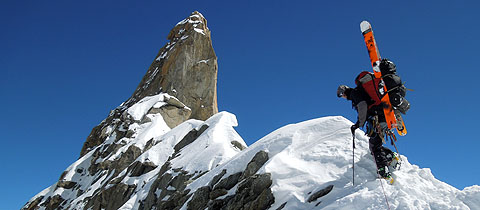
[(309, 164), (135, 160), (319, 154), (312, 155)]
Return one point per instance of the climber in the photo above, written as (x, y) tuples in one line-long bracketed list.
[(376, 126)]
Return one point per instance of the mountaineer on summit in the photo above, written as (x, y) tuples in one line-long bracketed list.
[(376, 126)]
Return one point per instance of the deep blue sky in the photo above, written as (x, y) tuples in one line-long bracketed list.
[(65, 64)]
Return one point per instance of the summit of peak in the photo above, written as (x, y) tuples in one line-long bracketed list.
[(196, 22)]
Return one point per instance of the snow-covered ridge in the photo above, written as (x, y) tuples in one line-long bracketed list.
[(212, 148), (312, 155), (152, 144), (206, 164), (138, 110)]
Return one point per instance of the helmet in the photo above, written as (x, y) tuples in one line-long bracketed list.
[(341, 90)]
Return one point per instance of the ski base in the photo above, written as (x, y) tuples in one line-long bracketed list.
[(394, 120)]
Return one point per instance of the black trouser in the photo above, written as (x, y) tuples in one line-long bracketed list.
[(376, 144), (379, 151)]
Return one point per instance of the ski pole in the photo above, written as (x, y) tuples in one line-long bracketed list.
[(353, 162)]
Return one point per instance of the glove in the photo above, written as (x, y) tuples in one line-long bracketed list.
[(353, 128)]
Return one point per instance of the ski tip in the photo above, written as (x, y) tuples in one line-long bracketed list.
[(365, 26)]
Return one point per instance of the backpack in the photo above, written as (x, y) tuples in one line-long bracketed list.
[(372, 86), (396, 90)]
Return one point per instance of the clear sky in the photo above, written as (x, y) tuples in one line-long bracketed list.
[(65, 64)]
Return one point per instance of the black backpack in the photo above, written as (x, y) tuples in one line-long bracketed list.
[(395, 88)]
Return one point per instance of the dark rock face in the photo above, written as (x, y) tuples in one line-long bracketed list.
[(217, 178), (256, 163), (252, 192), (190, 137), (200, 199), (228, 182), (53, 202), (111, 198), (139, 168), (34, 204), (66, 184), (320, 193), (168, 191), (237, 145)]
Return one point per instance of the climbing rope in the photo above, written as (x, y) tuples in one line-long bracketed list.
[(381, 183)]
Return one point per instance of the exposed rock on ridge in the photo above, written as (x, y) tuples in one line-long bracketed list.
[(149, 169), (196, 166), (185, 68), (179, 85)]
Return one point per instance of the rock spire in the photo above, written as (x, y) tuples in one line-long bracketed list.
[(185, 68)]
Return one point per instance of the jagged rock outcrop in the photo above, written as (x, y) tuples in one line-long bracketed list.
[(185, 68), (252, 190), (133, 142), (148, 170), (320, 194)]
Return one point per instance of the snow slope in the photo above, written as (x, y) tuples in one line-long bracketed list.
[(303, 158), (314, 154), (211, 148)]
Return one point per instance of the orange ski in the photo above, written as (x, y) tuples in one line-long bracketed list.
[(393, 121)]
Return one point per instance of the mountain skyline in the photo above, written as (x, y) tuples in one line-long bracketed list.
[(281, 84)]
